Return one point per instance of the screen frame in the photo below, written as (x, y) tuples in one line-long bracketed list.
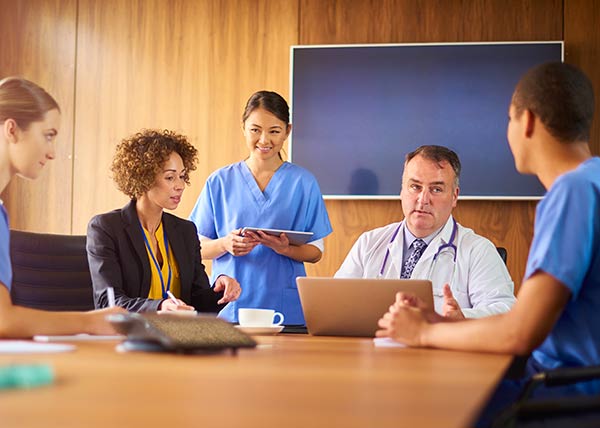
[(376, 45)]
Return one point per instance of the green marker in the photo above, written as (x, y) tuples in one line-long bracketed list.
[(25, 375)]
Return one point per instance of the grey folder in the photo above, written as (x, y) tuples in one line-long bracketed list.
[(174, 333)]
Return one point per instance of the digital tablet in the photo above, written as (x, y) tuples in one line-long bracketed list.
[(296, 238)]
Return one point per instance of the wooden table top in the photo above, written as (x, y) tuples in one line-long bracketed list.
[(287, 381)]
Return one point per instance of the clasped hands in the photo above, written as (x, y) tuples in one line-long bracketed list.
[(408, 318)]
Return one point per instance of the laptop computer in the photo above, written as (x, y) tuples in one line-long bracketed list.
[(352, 306)]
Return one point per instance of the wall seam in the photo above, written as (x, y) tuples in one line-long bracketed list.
[(563, 19), (299, 23), (74, 117)]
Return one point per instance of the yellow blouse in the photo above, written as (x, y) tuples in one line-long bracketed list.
[(155, 285)]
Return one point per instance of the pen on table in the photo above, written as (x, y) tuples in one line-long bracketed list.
[(173, 298), (110, 292)]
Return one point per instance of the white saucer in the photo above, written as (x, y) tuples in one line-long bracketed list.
[(271, 329)]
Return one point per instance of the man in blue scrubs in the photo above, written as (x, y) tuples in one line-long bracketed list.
[(557, 313)]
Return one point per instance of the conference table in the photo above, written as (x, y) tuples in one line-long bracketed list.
[(288, 380)]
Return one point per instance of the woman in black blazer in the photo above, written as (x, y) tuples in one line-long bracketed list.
[(143, 252)]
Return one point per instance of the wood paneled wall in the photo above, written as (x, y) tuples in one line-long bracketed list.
[(508, 224), (183, 65), (117, 66), (37, 41), (582, 48)]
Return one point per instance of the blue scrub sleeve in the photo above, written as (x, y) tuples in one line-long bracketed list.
[(203, 214), (5, 266), (317, 217), (564, 231)]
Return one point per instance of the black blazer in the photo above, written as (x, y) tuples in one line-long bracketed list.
[(117, 257)]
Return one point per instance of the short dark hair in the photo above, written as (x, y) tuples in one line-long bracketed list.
[(562, 97), (438, 154), (271, 102)]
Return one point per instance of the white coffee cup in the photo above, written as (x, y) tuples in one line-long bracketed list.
[(259, 317)]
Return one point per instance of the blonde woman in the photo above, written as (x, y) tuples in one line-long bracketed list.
[(30, 121)]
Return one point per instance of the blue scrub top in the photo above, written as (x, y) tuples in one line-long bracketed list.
[(231, 199), (566, 245), (5, 266)]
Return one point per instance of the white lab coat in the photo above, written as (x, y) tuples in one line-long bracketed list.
[(479, 280)]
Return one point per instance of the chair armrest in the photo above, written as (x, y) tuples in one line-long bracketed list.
[(568, 375), (545, 409), (558, 377)]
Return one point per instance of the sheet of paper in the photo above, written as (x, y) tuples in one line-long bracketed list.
[(31, 347), (386, 342), (77, 338)]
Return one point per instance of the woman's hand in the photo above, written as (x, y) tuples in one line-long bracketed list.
[(170, 305), (238, 245), (280, 244), (231, 287), (97, 323)]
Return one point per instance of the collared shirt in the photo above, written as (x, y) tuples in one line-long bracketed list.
[(409, 238), (480, 281)]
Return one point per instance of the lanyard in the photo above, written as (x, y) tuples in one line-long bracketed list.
[(166, 260)]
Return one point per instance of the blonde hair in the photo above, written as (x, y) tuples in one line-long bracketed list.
[(24, 102)]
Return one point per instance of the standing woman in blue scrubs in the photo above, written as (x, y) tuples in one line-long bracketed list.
[(262, 191)]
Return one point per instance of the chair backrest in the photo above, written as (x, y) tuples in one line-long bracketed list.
[(503, 253), (50, 272)]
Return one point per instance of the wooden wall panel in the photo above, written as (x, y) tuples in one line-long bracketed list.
[(395, 21), (509, 223), (37, 41), (190, 65), (183, 65), (582, 48)]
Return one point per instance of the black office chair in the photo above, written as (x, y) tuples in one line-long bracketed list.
[(50, 272), (503, 253), (575, 412)]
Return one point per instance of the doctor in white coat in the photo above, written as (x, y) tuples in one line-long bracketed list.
[(468, 276)]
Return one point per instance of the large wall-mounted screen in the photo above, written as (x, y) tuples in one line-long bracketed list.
[(358, 109)]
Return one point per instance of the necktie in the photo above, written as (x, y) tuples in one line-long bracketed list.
[(418, 247)]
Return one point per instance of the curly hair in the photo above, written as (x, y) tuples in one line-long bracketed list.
[(139, 158)]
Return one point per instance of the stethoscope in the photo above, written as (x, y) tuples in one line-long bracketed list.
[(449, 244)]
